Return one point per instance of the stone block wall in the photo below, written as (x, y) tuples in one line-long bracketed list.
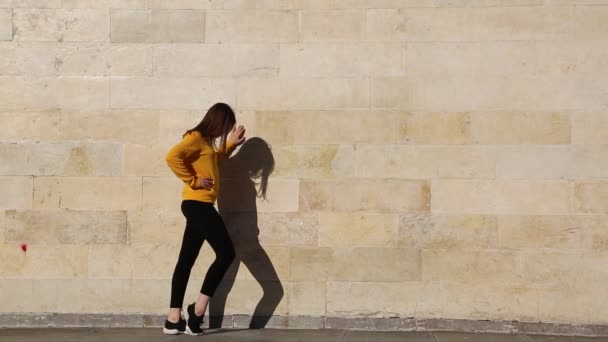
[(433, 159)]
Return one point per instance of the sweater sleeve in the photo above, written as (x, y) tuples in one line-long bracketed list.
[(189, 145), (229, 148)]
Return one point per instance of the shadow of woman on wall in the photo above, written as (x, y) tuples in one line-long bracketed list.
[(244, 179)]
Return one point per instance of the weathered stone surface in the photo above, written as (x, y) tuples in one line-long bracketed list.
[(66, 227), (61, 25), (59, 159), (154, 26), (17, 192), (365, 195), (103, 193), (6, 27), (251, 26)]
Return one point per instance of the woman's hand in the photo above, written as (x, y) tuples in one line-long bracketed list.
[(205, 183), (237, 135)]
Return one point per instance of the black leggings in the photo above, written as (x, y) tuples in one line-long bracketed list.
[(203, 222)]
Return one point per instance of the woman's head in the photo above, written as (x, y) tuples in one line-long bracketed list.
[(217, 123)]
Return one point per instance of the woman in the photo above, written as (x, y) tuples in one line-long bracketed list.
[(195, 161)]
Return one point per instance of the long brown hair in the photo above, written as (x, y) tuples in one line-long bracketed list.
[(218, 122)]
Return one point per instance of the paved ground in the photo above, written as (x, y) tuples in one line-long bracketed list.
[(266, 335)]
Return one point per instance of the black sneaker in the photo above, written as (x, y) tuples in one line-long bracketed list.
[(193, 322), (175, 328)]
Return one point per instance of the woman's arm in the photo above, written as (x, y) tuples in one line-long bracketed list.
[(189, 145)]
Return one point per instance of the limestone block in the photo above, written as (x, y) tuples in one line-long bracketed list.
[(154, 26), (6, 27), (137, 298), (146, 160), (267, 264), (18, 192), (43, 261), (29, 126), (61, 25), (591, 197), (344, 127), (128, 126), (59, 159), (586, 23), (82, 59), (162, 193), (539, 232), (373, 299), (468, 23), (443, 128), (36, 59), (174, 94), (2, 226), (130, 60), (376, 3), (246, 294), (71, 93), (306, 298), (491, 301), (423, 162), (8, 59), (342, 60), (251, 26), (357, 230), (438, 231), (185, 4), (17, 296), (282, 196), (332, 25), (504, 57), (546, 268), (155, 227), (140, 261), (535, 162), (326, 127), (276, 229), (307, 4), (492, 93), (174, 123), (584, 162), (30, 3), (275, 127), (565, 303), (520, 127), (324, 161), (104, 4), (487, 266), (589, 128), (95, 193), (366, 195), (252, 4), (500, 197), (66, 227), (355, 264), (216, 60), (304, 94), (12, 93)]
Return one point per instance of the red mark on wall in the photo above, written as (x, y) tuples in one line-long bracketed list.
[(24, 247)]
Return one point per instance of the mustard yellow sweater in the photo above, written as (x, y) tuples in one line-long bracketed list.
[(194, 158)]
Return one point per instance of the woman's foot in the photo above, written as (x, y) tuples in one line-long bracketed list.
[(193, 322), (175, 328)]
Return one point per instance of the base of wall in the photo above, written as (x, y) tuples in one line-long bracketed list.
[(40, 320)]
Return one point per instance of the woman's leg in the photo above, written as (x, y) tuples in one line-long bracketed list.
[(219, 240), (191, 245)]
